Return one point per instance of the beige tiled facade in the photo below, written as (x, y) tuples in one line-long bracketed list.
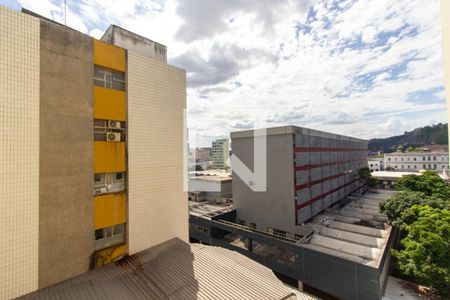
[(157, 208), (19, 153)]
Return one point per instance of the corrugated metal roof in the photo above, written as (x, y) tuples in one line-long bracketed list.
[(175, 270)]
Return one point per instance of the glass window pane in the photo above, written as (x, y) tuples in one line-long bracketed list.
[(108, 231), (118, 229), (99, 234)]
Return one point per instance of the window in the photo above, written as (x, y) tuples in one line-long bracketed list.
[(395, 158), (389, 159), (408, 167), (371, 165), (98, 178), (415, 166), (429, 166), (424, 158), (119, 176), (429, 158), (435, 167), (402, 159), (277, 232), (109, 79), (99, 234), (424, 166), (415, 158), (434, 158), (118, 229)]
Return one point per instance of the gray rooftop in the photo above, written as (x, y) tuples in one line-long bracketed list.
[(208, 209), (356, 232), (175, 270), (294, 130)]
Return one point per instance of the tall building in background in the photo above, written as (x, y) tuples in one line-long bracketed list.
[(221, 153), (86, 127), (307, 172), (203, 154)]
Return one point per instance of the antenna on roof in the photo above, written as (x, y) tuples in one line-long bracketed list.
[(65, 13)]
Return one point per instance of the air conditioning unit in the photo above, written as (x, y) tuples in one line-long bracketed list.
[(100, 191), (114, 124), (113, 137)]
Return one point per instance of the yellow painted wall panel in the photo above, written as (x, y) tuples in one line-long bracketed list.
[(109, 56), (109, 157), (110, 255), (109, 104), (109, 210)]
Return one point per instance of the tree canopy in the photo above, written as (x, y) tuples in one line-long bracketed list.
[(426, 253), (428, 183), (421, 209)]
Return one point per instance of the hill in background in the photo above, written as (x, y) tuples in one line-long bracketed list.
[(423, 136)]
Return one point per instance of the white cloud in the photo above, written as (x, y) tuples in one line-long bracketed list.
[(342, 70)]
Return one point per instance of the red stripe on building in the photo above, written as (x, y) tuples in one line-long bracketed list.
[(313, 166), (321, 149), (309, 184), (309, 202)]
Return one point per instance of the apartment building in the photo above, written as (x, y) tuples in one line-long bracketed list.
[(415, 161), (86, 127), (221, 153), (203, 154), (307, 171)]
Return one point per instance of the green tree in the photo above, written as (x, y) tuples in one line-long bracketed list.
[(428, 183), (365, 175), (426, 254), (396, 207)]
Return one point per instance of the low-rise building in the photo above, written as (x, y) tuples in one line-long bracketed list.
[(210, 187), (415, 161), (375, 163)]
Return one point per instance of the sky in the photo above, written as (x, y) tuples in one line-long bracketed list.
[(364, 68)]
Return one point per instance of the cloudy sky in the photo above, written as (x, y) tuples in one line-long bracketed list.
[(365, 68)]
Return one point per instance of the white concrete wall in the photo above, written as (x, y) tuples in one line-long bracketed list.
[(19, 153), (157, 204)]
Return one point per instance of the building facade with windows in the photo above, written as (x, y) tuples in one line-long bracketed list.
[(307, 172), (220, 154), (375, 163), (86, 126), (415, 161)]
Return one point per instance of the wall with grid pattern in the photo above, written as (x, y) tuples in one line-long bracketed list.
[(157, 206), (19, 153)]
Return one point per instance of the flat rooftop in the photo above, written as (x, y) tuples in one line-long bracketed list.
[(208, 209), (215, 178), (175, 270), (392, 174), (357, 232)]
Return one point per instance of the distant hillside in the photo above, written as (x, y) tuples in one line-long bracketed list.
[(424, 136)]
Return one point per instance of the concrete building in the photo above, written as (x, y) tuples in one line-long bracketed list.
[(203, 154), (86, 127), (221, 154), (343, 252), (415, 161), (205, 187), (375, 163), (307, 171), (387, 179)]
